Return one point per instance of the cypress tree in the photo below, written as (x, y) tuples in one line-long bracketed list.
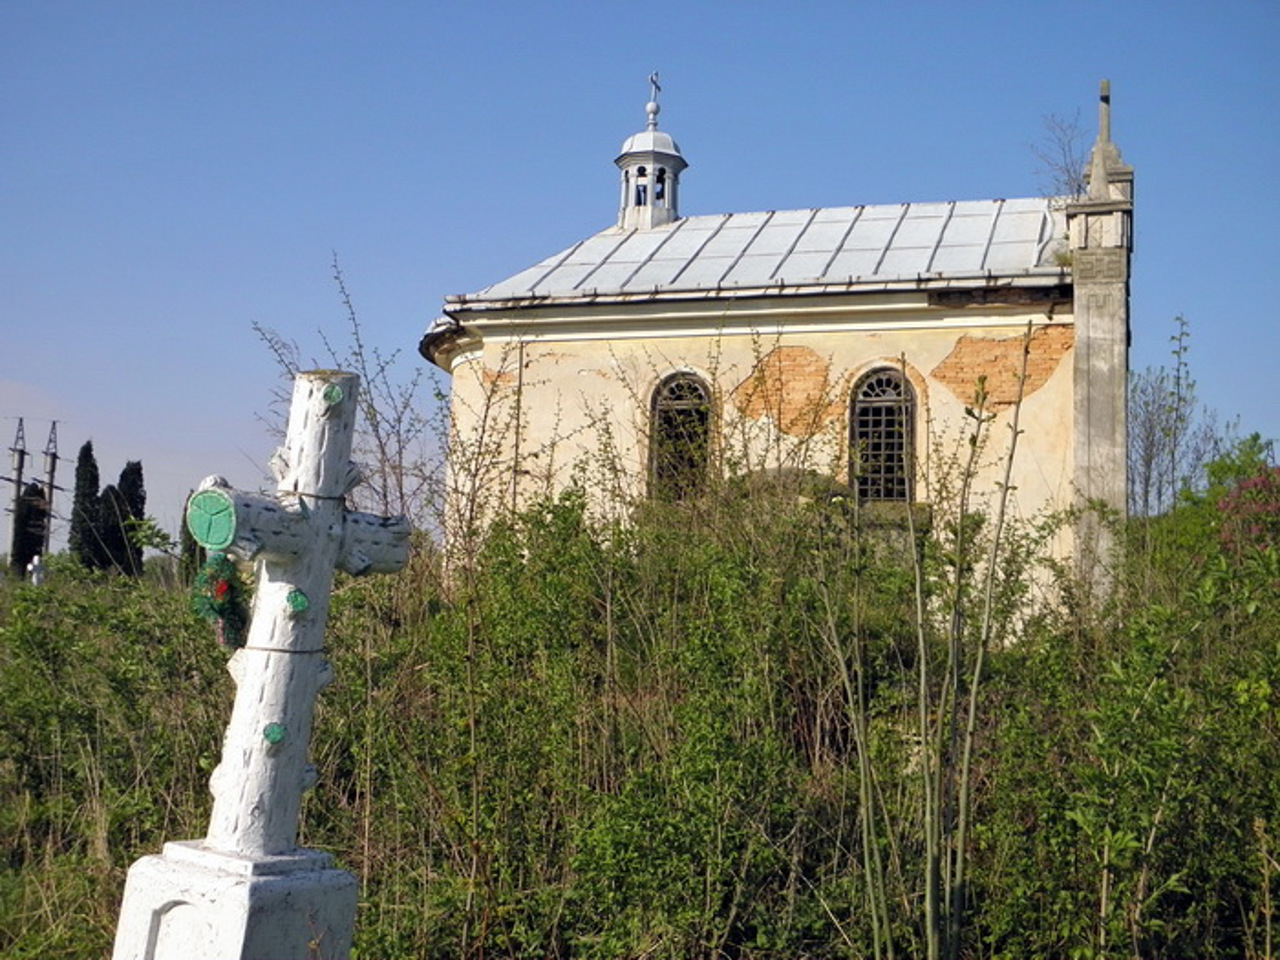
[(133, 493), (28, 527), (86, 510), (113, 532)]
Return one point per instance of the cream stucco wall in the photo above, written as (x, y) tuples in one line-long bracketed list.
[(540, 402)]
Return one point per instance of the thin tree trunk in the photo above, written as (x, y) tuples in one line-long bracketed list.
[(984, 639)]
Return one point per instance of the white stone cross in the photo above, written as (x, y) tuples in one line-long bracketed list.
[(36, 570), (247, 891)]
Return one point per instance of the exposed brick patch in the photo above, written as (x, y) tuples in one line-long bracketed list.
[(1001, 359), (793, 386)]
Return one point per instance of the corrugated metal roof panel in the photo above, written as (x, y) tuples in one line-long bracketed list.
[(904, 262), (803, 266), (776, 238), (516, 286), (756, 219), (655, 273), (799, 217), (838, 214), (966, 258), (730, 241), (640, 246), (1035, 205), (753, 271), (823, 236), (704, 273), (924, 210), (968, 229), (919, 231), (564, 278), (687, 237), (831, 245), (1015, 227), (611, 276), (871, 233), (597, 249), (1007, 257), (849, 264)]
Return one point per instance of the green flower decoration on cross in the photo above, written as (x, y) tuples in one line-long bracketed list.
[(220, 596), (211, 518)]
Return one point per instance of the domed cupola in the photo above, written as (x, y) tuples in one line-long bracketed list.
[(651, 164)]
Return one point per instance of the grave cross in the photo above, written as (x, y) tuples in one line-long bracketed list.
[(297, 537), (247, 890)]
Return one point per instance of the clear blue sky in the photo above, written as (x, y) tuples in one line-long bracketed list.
[(171, 172)]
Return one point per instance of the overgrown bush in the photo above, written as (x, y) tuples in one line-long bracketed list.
[(112, 702), (695, 734)]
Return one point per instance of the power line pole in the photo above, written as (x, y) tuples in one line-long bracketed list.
[(50, 468), (19, 451)]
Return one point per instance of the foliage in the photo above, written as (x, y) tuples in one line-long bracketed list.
[(85, 510), (133, 502), (695, 734), (1251, 513), (114, 698), (220, 597), (103, 524), (113, 521)]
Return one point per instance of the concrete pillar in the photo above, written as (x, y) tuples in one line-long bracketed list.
[(1100, 226)]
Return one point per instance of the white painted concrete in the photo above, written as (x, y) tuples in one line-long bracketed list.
[(246, 891)]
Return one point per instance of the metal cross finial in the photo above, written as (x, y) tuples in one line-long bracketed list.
[(651, 108)]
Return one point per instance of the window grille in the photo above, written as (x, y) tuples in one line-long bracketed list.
[(881, 436), (680, 433)]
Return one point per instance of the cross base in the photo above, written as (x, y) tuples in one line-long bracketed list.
[(195, 903)]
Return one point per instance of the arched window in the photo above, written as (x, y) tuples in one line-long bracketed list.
[(679, 438), (660, 186), (882, 436), (642, 187)]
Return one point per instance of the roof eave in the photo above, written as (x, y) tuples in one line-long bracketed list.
[(1033, 277)]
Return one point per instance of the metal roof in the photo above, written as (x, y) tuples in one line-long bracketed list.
[(844, 246)]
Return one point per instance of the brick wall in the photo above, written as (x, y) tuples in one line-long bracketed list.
[(1000, 359)]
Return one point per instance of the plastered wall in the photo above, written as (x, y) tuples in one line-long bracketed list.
[(533, 414)]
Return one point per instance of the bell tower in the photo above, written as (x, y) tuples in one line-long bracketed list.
[(650, 164)]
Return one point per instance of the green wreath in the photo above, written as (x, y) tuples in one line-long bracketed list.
[(220, 596)]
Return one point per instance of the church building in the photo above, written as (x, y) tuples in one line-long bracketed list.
[(665, 351)]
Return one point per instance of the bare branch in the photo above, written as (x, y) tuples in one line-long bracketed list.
[(1062, 155)]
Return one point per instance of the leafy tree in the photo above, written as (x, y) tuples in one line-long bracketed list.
[(1251, 512), (86, 510)]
